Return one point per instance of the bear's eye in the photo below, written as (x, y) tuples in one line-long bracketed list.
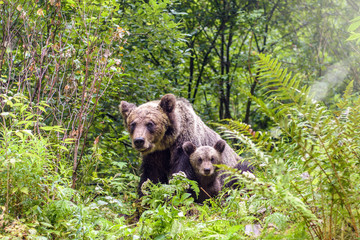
[(150, 126), (212, 160), (132, 126), (199, 160)]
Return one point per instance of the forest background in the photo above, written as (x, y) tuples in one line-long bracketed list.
[(67, 169)]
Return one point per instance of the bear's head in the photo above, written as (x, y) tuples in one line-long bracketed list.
[(152, 126), (203, 158)]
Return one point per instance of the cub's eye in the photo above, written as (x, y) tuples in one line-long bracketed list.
[(199, 160), (212, 160)]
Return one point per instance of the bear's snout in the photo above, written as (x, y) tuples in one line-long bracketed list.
[(139, 142)]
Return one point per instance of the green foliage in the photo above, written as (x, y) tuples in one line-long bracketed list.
[(170, 213), (35, 184), (27, 166), (167, 204), (154, 52), (311, 170), (174, 192), (353, 29)]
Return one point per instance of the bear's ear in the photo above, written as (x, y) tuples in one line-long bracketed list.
[(189, 148), (126, 108), (220, 145), (168, 103)]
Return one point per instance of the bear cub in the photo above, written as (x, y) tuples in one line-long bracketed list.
[(202, 160)]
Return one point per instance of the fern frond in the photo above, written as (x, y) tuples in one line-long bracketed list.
[(315, 166)]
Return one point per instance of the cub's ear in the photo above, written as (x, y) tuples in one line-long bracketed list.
[(189, 148), (126, 108), (168, 103), (220, 145)]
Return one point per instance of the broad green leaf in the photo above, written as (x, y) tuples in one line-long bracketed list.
[(25, 190), (354, 26), (353, 36)]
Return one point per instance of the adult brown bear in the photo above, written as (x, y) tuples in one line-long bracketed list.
[(158, 130)]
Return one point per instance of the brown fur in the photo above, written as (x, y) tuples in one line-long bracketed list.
[(158, 130)]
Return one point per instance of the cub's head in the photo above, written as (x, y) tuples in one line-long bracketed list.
[(203, 158), (151, 125)]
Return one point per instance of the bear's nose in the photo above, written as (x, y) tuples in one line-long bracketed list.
[(206, 170), (139, 142)]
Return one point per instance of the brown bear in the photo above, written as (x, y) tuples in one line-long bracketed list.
[(202, 159), (158, 130)]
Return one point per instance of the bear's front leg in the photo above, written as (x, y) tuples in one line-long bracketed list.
[(155, 167), (180, 163)]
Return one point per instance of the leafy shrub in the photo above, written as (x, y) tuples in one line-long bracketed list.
[(35, 194), (27, 162), (165, 206)]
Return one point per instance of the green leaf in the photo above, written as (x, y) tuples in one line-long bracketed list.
[(19, 134), (353, 36), (14, 190), (354, 26), (45, 224), (22, 122), (47, 128), (69, 140), (355, 19), (71, 2), (25, 190), (63, 148), (41, 108), (10, 103), (349, 89), (52, 128), (28, 132)]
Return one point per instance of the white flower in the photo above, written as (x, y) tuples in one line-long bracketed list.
[(248, 175), (305, 175), (117, 61), (181, 173)]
